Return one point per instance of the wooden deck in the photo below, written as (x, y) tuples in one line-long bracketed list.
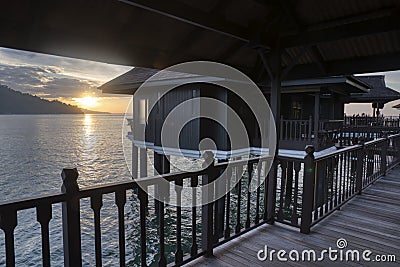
[(368, 221)]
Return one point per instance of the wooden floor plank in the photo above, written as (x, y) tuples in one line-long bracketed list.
[(368, 221)]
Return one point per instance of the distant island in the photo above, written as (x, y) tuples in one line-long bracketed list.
[(14, 102)]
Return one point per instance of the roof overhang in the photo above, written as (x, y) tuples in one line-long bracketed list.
[(317, 38), (339, 84)]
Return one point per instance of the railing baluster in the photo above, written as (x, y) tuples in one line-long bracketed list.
[(249, 177), (321, 167), (163, 260), (340, 197), (287, 130), (336, 169), (309, 128), (332, 173), (297, 167), (227, 232), (384, 153), (266, 182), (239, 197), (179, 251), (96, 202), (345, 176), (43, 216), (326, 184), (348, 179), (282, 189), (257, 218), (120, 200), (289, 184), (8, 222), (193, 183)]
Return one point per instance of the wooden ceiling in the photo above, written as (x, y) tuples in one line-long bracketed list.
[(315, 37)]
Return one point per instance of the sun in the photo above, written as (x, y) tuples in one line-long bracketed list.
[(87, 101)]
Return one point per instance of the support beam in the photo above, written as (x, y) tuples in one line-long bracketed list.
[(316, 54), (195, 17), (388, 62), (265, 63), (294, 61), (343, 31)]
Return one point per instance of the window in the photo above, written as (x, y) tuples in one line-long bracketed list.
[(296, 109)]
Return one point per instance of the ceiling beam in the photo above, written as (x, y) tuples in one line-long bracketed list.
[(195, 17), (294, 61), (343, 31), (316, 54)]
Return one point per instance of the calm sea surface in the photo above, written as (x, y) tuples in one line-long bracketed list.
[(35, 148), (33, 151)]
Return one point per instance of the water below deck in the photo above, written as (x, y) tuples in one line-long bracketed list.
[(368, 221)]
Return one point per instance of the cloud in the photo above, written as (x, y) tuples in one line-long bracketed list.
[(44, 81), (71, 67)]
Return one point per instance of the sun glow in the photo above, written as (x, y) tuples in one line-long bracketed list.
[(87, 101)]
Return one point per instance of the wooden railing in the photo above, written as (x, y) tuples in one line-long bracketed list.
[(296, 130), (310, 188), (332, 179), (237, 212), (360, 121), (296, 134), (298, 191)]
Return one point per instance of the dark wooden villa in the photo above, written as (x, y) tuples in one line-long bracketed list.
[(314, 112), (274, 43), (150, 120)]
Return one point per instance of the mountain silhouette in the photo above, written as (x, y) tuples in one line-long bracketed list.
[(14, 102)]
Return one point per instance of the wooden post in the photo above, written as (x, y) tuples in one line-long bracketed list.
[(359, 168), (71, 219), (143, 198), (219, 209), (135, 118), (275, 104), (161, 166), (8, 222), (308, 190), (207, 231)]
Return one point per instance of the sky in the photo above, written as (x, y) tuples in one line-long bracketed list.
[(75, 81), (69, 80)]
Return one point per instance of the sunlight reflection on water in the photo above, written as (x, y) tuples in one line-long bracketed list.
[(35, 148)]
